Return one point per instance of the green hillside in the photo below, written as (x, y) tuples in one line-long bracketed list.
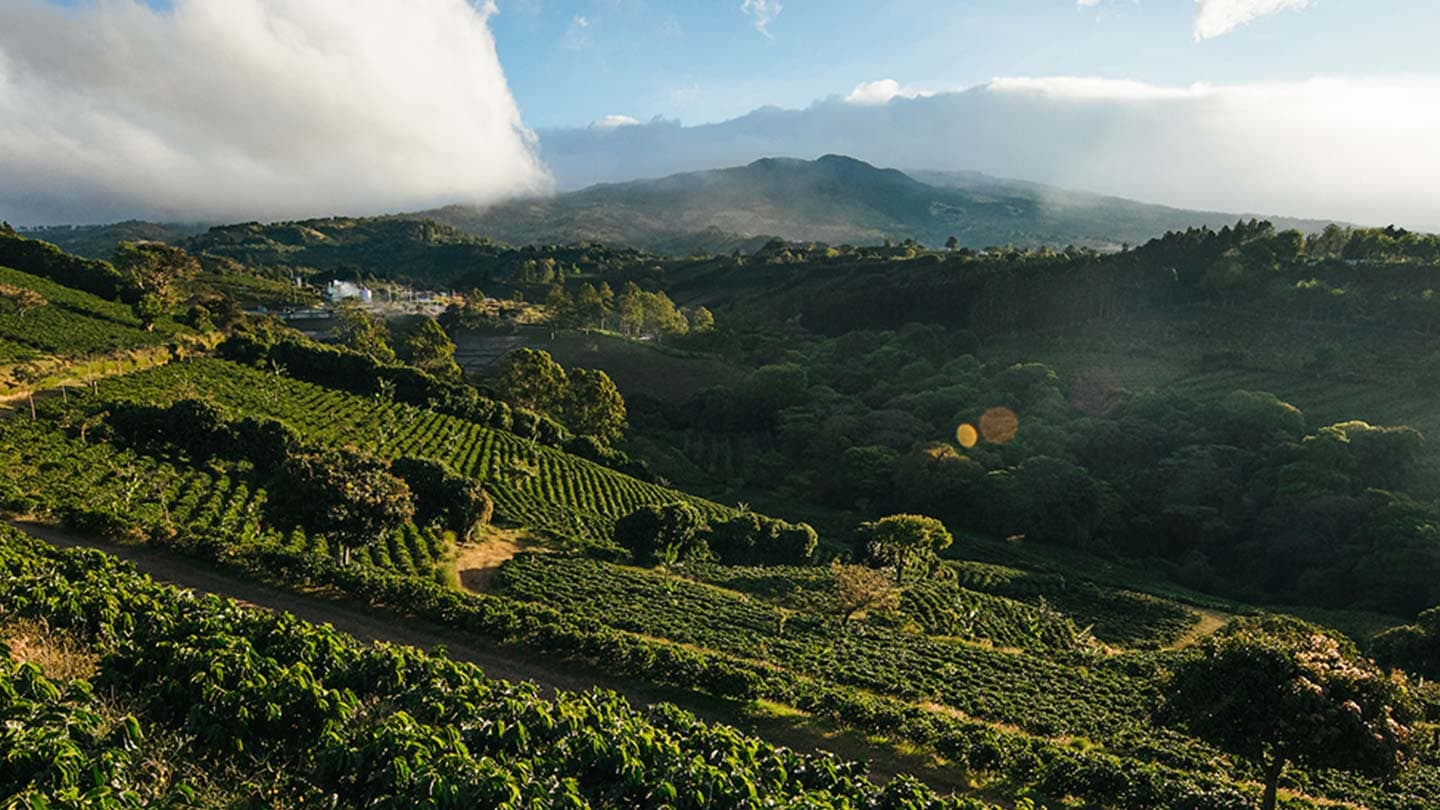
[(533, 485)]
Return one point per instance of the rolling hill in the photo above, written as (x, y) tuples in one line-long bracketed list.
[(833, 199)]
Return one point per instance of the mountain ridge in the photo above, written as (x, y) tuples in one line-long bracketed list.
[(834, 199)]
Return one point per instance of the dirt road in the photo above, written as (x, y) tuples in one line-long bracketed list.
[(360, 621), (371, 624)]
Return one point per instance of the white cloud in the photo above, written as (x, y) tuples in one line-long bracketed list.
[(1216, 17), (880, 91), (1087, 3), (1359, 150), (613, 121), (238, 109), (761, 13)]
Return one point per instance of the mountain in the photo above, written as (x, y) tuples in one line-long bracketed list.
[(833, 199)]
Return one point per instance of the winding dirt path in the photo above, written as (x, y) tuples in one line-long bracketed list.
[(372, 624)]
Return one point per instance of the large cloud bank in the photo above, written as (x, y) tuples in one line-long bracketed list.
[(238, 109), (1357, 150)]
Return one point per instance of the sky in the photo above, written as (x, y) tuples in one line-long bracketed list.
[(573, 62), (225, 110)]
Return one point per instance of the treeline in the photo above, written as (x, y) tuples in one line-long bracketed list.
[(357, 373), (634, 312), (1356, 276), (47, 261), (677, 531)]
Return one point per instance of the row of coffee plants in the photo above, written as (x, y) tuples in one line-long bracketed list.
[(125, 494), (1008, 761), (71, 323), (847, 675), (295, 705), (1115, 615), (533, 485)]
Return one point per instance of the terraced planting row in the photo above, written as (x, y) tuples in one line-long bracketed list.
[(1100, 700), (1074, 702), (71, 323), (45, 470), (1114, 615), (533, 485)]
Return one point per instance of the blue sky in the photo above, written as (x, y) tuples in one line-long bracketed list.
[(570, 62)]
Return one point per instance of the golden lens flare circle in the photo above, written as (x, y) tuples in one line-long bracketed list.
[(967, 436), (999, 425)]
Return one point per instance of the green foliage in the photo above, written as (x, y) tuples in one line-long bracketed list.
[(532, 379), (660, 532), (72, 324), (426, 346), (363, 333), (44, 260), (351, 499), (593, 406), (443, 498), (1278, 691), (266, 692), (902, 542), (154, 271)]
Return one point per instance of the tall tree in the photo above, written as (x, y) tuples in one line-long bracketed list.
[(355, 329), (594, 406), (590, 306), (532, 379), (427, 347), (153, 270), (1276, 691), (351, 499), (903, 541)]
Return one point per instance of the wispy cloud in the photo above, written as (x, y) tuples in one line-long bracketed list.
[(577, 33), (1214, 18), (761, 13), (249, 109)]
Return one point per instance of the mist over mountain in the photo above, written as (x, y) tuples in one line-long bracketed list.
[(833, 199), (1291, 147)]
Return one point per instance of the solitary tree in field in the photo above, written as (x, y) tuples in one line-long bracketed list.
[(952, 243), (153, 272), (1277, 691), (859, 587), (351, 499), (901, 541), (28, 375)]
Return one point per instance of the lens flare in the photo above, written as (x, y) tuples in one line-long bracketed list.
[(999, 425), (967, 436)]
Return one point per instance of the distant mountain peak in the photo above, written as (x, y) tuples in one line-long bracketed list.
[(834, 198)]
